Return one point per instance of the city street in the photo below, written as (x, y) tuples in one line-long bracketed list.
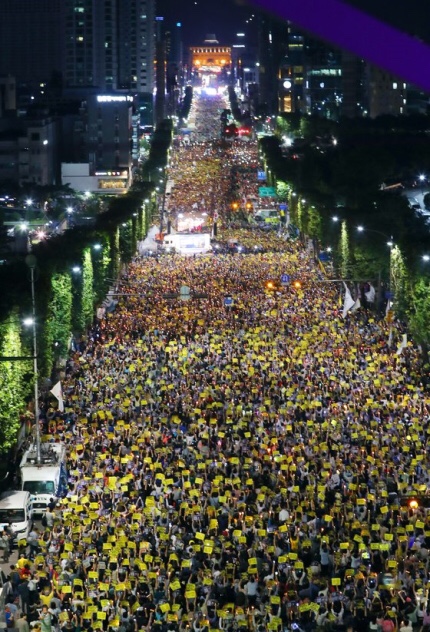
[(238, 458)]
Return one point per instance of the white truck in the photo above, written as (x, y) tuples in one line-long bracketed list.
[(188, 243), (46, 479)]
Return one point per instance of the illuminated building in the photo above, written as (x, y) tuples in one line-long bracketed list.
[(210, 61)]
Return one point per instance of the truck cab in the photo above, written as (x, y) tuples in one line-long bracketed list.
[(45, 479), (16, 513)]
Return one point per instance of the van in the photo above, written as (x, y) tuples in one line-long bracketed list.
[(46, 479), (16, 513)]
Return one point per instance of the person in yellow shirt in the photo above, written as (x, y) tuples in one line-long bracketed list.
[(23, 561), (46, 596)]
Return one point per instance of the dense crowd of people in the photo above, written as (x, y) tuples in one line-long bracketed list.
[(257, 463)]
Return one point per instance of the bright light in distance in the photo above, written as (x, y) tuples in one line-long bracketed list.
[(334, 141), (45, 142), (426, 257), (87, 194), (29, 202), (97, 246), (360, 229), (335, 218), (24, 226), (76, 269), (69, 209), (41, 234), (28, 322), (328, 249), (421, 177), (390, 243)]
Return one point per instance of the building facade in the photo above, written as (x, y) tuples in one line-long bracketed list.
[(109, 44), (105, 139), (29, 152), (210, 62)]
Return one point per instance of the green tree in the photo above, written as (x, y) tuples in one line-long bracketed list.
[(115, 256), (282, 189), (58, 324), (419, 315), (87, 288), (399, 281), (344, 251), (101, 264), (314, 223), (13, 387)]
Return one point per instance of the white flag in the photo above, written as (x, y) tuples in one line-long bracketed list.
[(390, 338), (370, 294), (348, 302), (57, 392), (356, 305), (403, 344)]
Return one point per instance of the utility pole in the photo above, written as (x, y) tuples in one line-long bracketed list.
[(31, 261)]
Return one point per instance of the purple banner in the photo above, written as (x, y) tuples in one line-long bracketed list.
[(350, 29)]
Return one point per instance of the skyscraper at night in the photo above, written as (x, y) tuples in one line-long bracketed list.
[(109, 44)]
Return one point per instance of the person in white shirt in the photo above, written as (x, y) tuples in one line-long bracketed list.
[(283, 515)]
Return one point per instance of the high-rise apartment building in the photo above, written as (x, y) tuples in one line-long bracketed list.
[(386, 94), (110, 44), (291, 94), (31, 38)]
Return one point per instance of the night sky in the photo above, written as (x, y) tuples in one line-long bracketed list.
[(227, 17), (224, 18)]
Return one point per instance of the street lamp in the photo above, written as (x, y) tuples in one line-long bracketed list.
[(426, 258), (390, 244), (31, 262), (390, 241)]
